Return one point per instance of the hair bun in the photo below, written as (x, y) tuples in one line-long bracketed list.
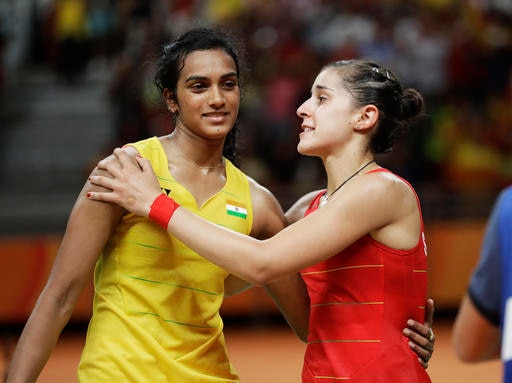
[(411, 104)]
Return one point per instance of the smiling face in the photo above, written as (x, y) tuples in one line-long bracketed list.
[(207, 94), (328, 116)]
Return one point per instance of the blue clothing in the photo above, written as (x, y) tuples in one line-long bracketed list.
[(505, 226), (490, 287)]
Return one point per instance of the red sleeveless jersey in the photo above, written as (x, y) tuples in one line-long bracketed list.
[(360, 301)]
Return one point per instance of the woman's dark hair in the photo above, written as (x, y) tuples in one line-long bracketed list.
[(398, 107), (173, 57)]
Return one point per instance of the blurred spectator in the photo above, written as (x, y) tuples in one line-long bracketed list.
[(42, 45), (70, 38), (458, 54), (102, 26), (3, 42)]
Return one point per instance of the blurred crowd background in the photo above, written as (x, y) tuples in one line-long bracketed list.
[(457, 53)]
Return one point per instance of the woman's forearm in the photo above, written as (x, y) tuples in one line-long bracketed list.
[(222, 247), (291, 297), (38, 339)]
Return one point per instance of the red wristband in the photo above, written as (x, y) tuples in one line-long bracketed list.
[(162, 209)]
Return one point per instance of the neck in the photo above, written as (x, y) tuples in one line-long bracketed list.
[(330, 192), (201, 155), (339, 167), (204, 168)]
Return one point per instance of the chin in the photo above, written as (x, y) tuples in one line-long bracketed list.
[(309, 150), (303, 149), (219, 131)]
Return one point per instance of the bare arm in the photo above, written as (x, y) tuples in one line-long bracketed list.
[(234, 285), (416, 332), (475, 338), (88, 229), (289, 291), (307, 242)]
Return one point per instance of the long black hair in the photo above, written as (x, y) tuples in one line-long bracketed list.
[(173, 57)]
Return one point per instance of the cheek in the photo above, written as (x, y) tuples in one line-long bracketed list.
[(329, 116), (192, 106), (234, 99), (234, 103)]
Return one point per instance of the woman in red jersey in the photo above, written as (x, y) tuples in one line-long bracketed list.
[(360, 247)]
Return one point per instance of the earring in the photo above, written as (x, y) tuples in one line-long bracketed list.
[(358, 121)]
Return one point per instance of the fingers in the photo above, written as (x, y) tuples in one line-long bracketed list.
[(417, 337), (418, 340), (429, 312), (422, 331), (119, 160), (122, 157), (418, 328), (111, 164), (126, 160), (423, 363), (144, 164), (423, 355), (106, 182), (102, 196)]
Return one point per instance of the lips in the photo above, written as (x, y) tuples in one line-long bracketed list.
[(218, 117), (215, 114), (305, 130)]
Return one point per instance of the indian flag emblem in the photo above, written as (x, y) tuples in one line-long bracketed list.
[(236, 208)]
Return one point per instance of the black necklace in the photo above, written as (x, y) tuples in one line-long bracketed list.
[(325, 197)]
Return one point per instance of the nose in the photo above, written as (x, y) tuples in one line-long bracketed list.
[(217, 97), (302, 110)]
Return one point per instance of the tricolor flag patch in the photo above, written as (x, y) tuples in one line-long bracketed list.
[(236, 209)]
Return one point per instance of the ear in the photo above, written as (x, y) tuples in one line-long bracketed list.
[(367, 117), (170, 100)]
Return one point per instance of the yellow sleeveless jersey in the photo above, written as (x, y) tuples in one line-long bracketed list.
[(156, 304)]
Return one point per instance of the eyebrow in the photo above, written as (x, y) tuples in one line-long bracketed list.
[(322, 87), (195, 78)]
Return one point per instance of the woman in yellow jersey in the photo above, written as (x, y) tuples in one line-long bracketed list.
[(156, 304)]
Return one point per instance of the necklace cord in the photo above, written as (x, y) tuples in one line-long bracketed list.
[(199, 166), (326, 197)]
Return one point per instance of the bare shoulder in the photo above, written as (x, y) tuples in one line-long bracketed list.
[(298, 209), (262, 197), (378, 187), (385, 206), (268, 216), (390, 186), (376, 199)]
